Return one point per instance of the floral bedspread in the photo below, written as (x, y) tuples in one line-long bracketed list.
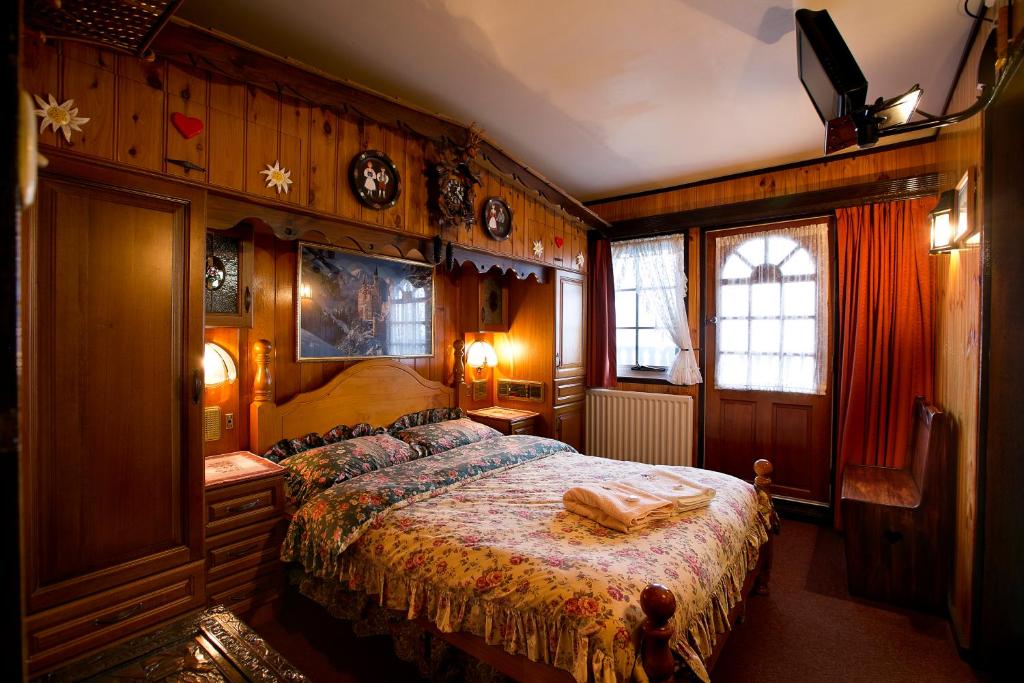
[(478, 540)]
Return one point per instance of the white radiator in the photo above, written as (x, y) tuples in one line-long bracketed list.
[(645, 427)]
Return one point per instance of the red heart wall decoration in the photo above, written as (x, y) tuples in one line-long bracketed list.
[(188, 126), (559, 241)]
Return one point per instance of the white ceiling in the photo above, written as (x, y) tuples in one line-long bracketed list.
[(609, 96)]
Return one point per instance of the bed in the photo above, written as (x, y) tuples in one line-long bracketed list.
[(474, 544)]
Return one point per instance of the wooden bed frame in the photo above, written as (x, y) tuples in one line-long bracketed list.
[(380, 391)]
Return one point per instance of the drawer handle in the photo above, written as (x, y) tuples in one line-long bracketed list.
[(238, 597), (120, 616), (245, 506), (241, 552)]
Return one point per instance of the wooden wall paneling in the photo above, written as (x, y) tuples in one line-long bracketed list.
[(288, 380), (141, 118), (227, 131), (187, 94), (323, 160), (349, 145), (294, 149), (957, 278), (41, 68), (397, 217), (552, 223), (414, 187), (87, 78), (519, 239), (264, 311), (262, 126), (502, 189), (527, 350), (371, 136)]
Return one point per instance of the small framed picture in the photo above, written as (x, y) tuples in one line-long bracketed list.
[(375, 179), (497, 218)]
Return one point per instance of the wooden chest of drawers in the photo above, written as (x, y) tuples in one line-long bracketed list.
[(244, 528)]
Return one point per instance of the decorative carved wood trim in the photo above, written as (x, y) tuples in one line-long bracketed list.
[(218, 53), (484, 262), (780, 208)]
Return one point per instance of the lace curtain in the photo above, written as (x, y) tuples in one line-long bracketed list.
[(661, 269), (772, 308)]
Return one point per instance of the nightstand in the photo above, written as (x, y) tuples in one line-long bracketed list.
[(245, 526), (506, 420)]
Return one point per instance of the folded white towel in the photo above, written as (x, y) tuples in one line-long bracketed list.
[(669, 484), (617, 505)]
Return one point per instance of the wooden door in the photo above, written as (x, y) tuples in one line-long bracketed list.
[(569, 424), (113, 483), (570, 304), (768, 382)]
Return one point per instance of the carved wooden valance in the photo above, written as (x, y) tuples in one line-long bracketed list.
[(484, 262)]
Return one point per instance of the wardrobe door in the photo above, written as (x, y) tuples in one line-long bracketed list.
[(113, 351)]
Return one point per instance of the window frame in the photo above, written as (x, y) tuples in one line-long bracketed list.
[(631, 371)]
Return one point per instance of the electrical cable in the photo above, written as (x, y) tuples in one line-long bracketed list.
[(972, 15)]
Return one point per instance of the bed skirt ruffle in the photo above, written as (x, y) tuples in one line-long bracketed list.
[(558, 641)]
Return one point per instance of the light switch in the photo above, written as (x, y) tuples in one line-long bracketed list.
[(229, 421)]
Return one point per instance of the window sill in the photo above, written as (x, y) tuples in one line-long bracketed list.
[(624, 374)]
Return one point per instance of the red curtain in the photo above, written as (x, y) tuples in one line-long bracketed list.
[(601, 369), (886, 331)]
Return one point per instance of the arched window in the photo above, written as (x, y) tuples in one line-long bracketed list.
[(772, 308), (408, 322)]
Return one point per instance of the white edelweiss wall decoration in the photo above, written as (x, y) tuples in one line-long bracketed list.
[(63, 117), (580, 259), (538, 248), (278, 177)]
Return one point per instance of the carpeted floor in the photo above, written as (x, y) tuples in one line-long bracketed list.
[(807, 629)]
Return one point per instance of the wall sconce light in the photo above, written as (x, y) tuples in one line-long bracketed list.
[(306, 291), (943, 223), (480, 354), (968, 233), (218, 368)]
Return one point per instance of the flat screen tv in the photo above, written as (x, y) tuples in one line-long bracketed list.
[(827, 68)]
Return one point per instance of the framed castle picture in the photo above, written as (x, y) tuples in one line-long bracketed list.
[(355, 306)]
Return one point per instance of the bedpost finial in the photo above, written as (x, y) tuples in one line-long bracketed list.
[(763, 471), (263, 382), (658, 603)]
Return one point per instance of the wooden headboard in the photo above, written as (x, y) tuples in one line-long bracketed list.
[(374, 391)]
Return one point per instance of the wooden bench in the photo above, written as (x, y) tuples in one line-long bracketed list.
[(898, 522)]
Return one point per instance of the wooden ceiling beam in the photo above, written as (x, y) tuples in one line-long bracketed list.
[(779, 208), (221, 54)]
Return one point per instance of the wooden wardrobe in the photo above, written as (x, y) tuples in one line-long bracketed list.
[(112, 351)]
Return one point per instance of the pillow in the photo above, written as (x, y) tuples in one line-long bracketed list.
[(286, 448), (443, 436), (344, 432), (423, 417), (316, 469)]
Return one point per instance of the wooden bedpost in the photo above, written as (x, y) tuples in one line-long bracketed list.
[(459, 364), (763, 482), (262, 390), (658, 604)]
